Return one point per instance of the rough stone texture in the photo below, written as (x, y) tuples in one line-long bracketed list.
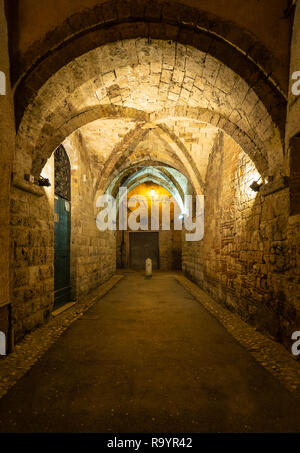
[(292, 138), (294, 175), (32, 256), (28, 351), (7, 141), (248, 257), (145, 145), (158, 361), (293, 113), (165, 90), (93, 256)]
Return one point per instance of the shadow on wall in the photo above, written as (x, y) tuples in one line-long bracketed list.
[(247, 259)]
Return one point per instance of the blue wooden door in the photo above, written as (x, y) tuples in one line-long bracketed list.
[(61, 251)]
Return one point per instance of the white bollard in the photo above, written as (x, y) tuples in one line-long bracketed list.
[(148, 268)]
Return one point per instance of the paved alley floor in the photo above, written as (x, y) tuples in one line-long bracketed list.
[(148, 357)]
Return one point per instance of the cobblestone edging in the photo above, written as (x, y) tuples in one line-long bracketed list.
[(14, 366), (270, 354)]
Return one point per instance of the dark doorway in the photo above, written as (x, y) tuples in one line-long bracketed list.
[(143, 246), (62, 228), (295, 175)]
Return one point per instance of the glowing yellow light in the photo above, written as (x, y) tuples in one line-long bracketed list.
[(152, 193)]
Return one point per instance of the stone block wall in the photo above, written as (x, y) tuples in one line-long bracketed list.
[(247, 258), (170, 250), (7, 142)]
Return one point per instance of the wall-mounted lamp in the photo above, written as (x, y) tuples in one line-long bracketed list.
[(255, 186), (152, 193)]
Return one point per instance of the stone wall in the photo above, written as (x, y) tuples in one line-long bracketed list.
[(32, 256), (169, 243), (231, 32), (247, 258), (165, 66), (149, 80)]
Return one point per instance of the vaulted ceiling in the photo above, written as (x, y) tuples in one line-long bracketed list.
[(150, 84)]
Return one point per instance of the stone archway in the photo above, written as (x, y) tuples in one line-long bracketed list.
[(62, 227), (114, 75)]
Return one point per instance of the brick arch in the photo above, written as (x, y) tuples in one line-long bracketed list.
[(129, 19), (84, 117), (56, 110)]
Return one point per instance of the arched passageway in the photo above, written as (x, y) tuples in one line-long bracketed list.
[(189, 111), (175, 106)]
